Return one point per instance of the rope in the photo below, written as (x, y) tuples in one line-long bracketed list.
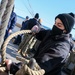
[(25, 70), (33, 72), (2, 69), (5, 20), (7, 41), (25, 61), (4, 23), (22, 43), (24, 46), (27, 44), (2, 7)]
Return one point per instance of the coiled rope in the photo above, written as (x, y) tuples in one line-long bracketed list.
[(27, 44), (25, 41), (5, 18), (5, 15), (25, 70), (3, 7), (5, 12), (7, 41)]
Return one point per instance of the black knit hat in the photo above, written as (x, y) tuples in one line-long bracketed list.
[(67, 20), (27, 17), (36, 15)]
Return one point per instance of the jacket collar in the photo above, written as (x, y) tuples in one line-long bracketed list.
[(61, 37)]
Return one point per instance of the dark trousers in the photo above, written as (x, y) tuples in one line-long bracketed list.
[(18, 40), (6, 35), (15, 67)]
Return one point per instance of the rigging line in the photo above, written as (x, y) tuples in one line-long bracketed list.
[(27, 8), (30, 7), (20, 9), (46, 21)]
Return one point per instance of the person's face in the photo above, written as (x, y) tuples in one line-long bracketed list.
[(59, 24)]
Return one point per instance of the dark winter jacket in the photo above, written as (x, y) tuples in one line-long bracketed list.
[(52, 51), (12, 21), (24, 25), (31, 23)]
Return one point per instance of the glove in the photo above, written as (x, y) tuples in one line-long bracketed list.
[(25, 70), (35, 29)]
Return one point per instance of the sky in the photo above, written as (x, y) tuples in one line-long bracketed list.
[(47, 9)]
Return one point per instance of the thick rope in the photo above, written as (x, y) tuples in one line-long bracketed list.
[(7, 41), (25, 61), (5, 20), (33, 72), (2, 69), (25, 70), (3, 7), (27, 47), (25, 44)]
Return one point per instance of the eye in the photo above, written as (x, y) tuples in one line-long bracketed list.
[(59, 25)]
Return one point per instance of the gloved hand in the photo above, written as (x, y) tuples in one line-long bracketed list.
[(32, 68), (35, 29), (25, 70)]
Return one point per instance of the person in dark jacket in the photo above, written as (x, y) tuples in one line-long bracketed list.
[(24, 23), (33, 21), (28, 25), (55, 44), (11, 24), (24, 27)]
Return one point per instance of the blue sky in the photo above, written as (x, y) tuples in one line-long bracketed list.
[(47, 9)]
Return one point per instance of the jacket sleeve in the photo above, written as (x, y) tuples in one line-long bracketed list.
[(13, 22), (48, 64), (50, 58), (40, 36), (22, 25)]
